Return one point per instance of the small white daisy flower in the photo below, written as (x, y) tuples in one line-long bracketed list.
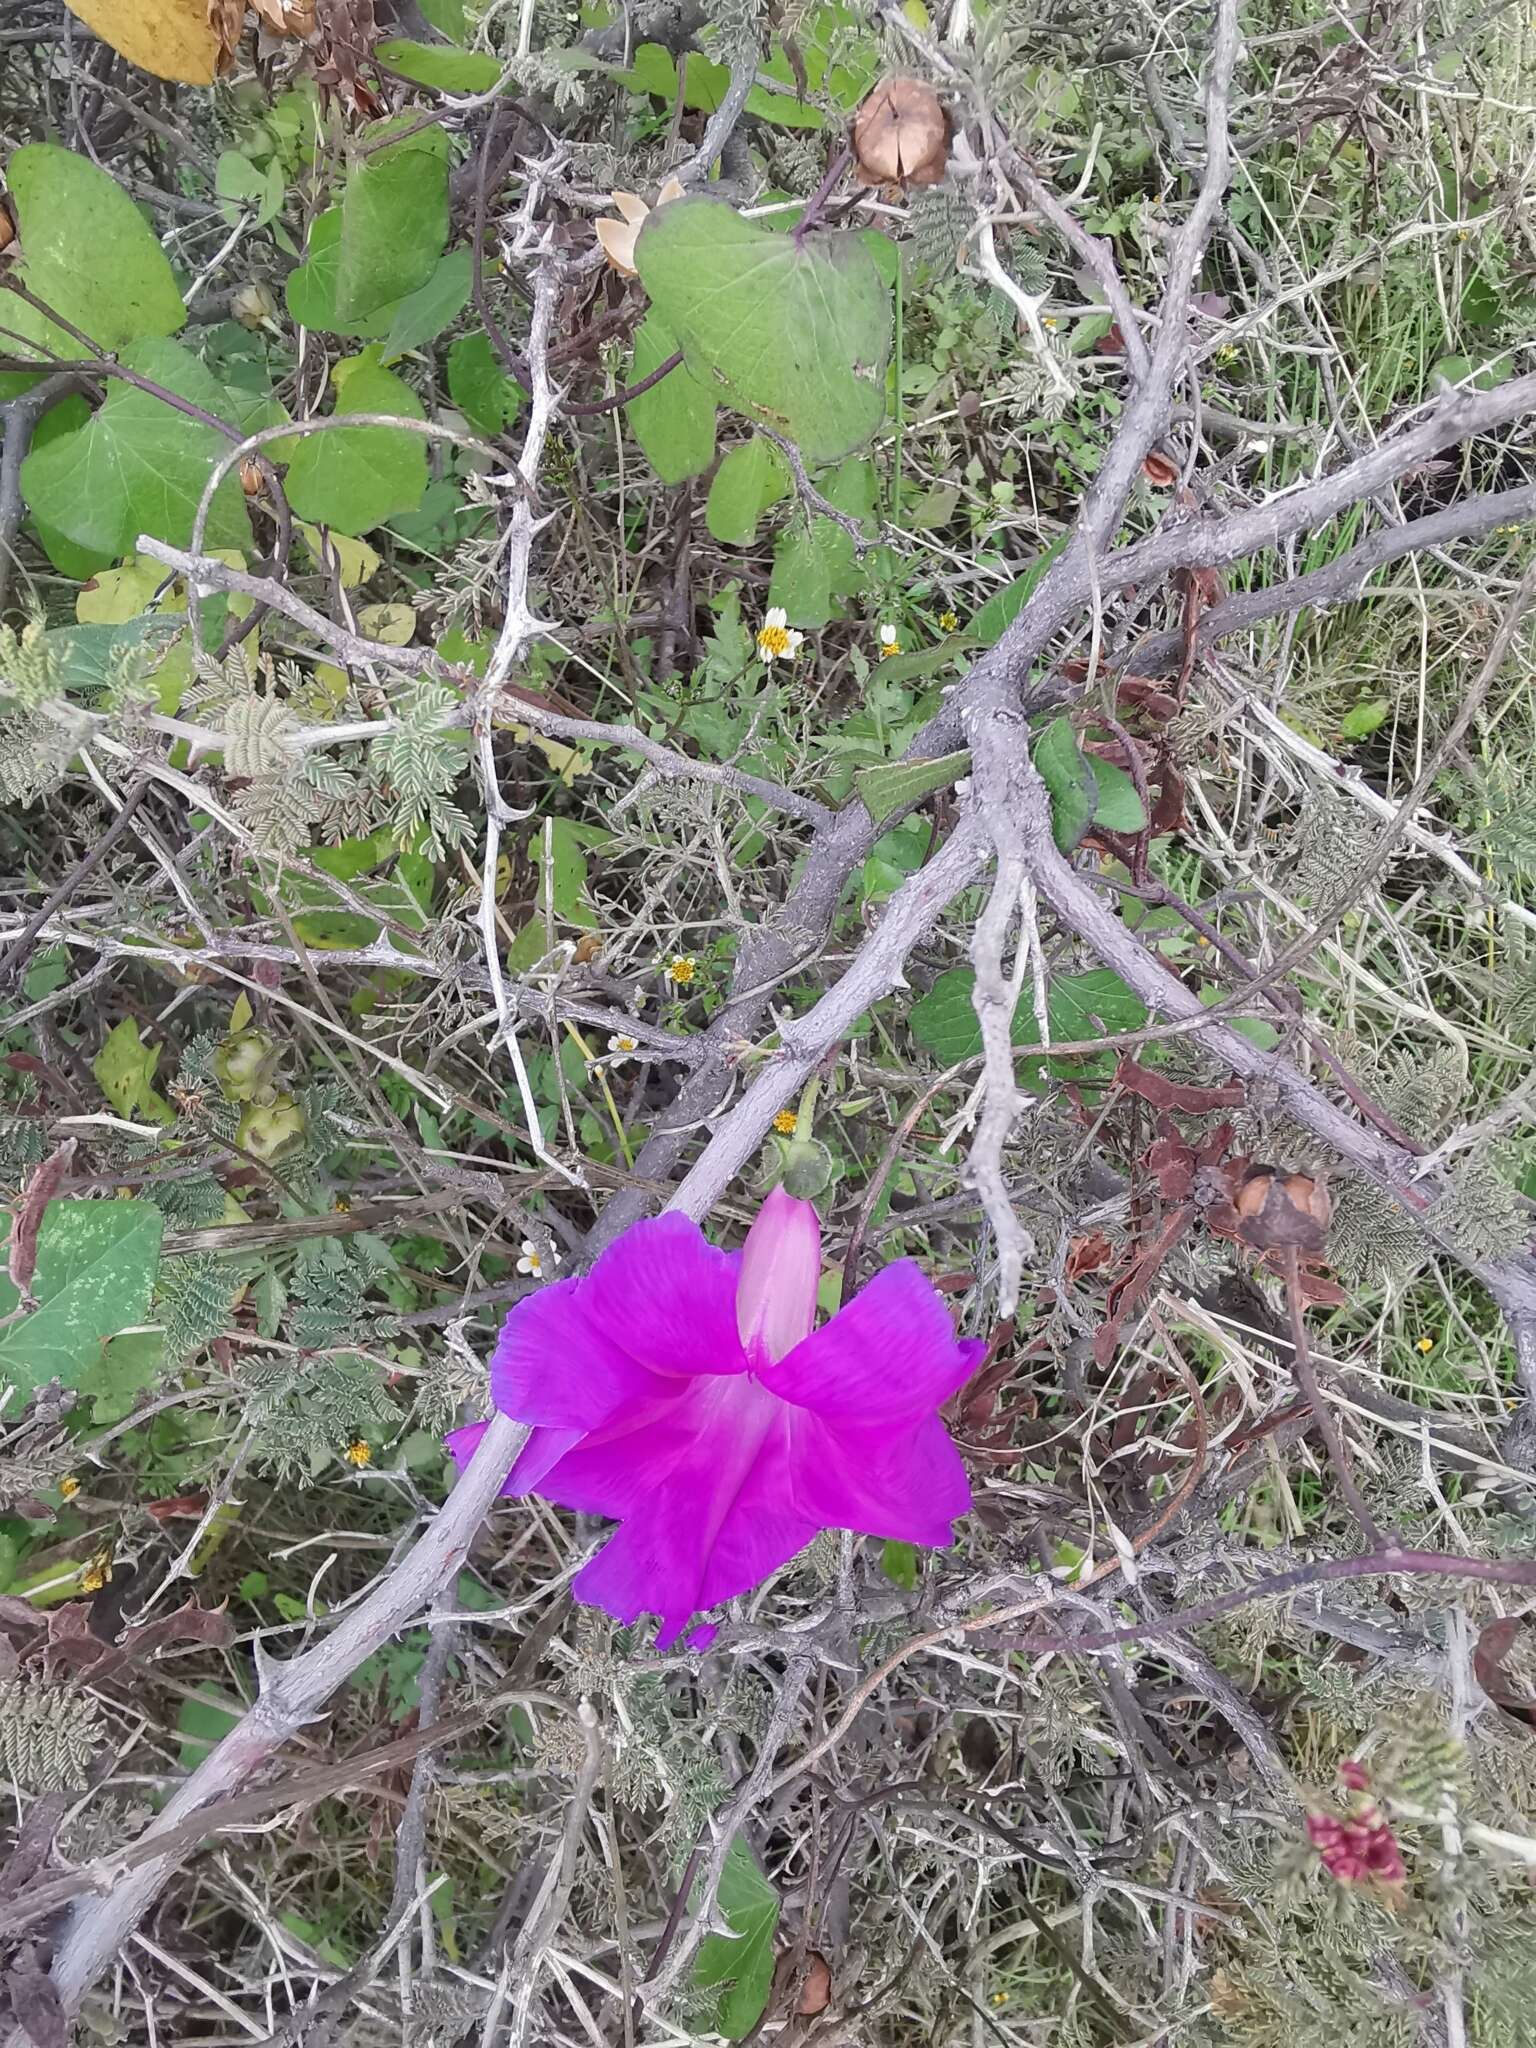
[(889, 643), (623, 1046), (533, 1261), (776, 639)]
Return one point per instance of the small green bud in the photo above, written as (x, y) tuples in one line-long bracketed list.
[(245, 1066), (269, 1130)]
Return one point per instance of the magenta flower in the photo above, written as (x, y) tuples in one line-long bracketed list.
[(686, 1392)]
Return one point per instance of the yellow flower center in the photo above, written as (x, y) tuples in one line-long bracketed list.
[(625, 1044), (773, 642), (683, 969), (947, 622), (358, 1453), (69, 1488), (888, 648), (1426, 1344), (784, 1123)]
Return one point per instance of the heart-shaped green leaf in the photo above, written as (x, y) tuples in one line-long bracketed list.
[(89, 253), (95, 1266), (357, 477), (795, 335), (488, 398), (138, 465), (1068, 774), (674, 421), (394, 223), (748, 481)]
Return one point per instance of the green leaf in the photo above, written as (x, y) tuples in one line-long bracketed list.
[(814, 564), (1362, 720), (999, 612), (1069, 776), (422, 316), (203, 1720), (1119, 808), (394, 223), (748, 481), (1077, 1006), (125, 1067), (138, 465), (88, 655), (674, 421), (481, 389), (654, 70), (310, 290), (95, 1267), (796, 336), (357, 477), (741, 1969), (567, 877), (127, 1366), (898, 1561), (89, 253), (447, 67), (898, 785)]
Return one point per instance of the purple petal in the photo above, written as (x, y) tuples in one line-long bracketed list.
[(666, 1297), (909, 1484), (780, 1270), (543, 1448), (554, 1365), (463, 1443), (698, 1490), (889, 1357)]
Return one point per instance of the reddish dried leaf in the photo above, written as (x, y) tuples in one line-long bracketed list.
[(1112, 343), (1162, 1093), (1172, 1165), (1126, 1294), (1168, 806), (178, 1507), (1088, 1254), (1140, 693), (1159, 471), (43, 1183)]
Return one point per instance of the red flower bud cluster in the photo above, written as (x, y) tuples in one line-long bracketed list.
[(1360, 1848)]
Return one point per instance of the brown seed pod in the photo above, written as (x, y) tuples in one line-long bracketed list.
[(1283, 1212), (7, 227), (901, 134), (816, 1993), (250, 476)]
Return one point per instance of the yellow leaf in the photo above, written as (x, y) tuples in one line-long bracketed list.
[(567, 762), (354, 559), (166, 38), (394, 624)]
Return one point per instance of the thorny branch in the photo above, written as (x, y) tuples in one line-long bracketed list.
[(1010, 813)]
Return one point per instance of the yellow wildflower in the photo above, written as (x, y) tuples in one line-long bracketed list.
[(1426, 1345), (776, 639), (358, 1453), (95, 1576), (682, 968), (784, 1123), (69, 1487), (948, 623)]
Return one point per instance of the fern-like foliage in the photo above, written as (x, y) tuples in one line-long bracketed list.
[(48, 1734), (419, 762)]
